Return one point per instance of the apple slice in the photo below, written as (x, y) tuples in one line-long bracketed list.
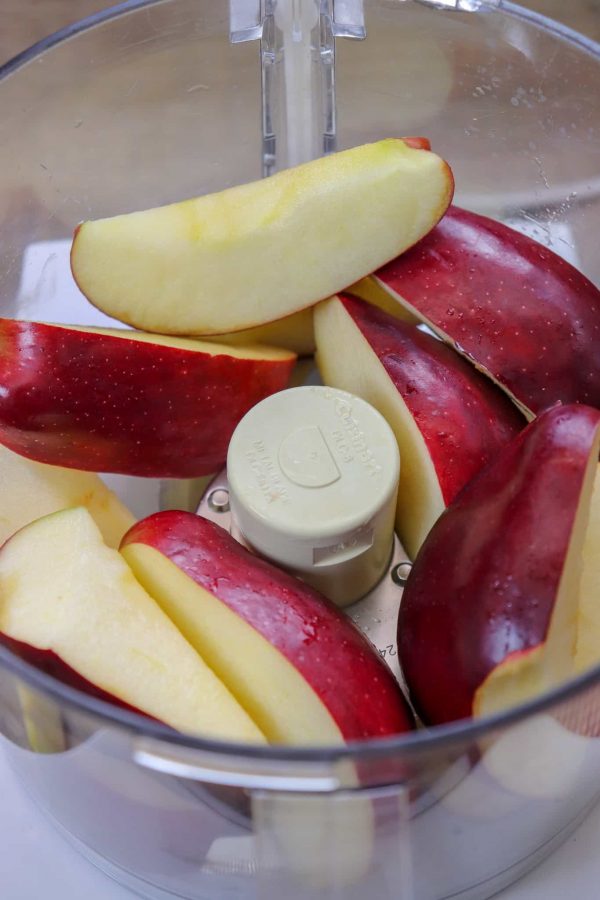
[(552, 761), (521, 313), (114, 400), (587, 649), (371, 290), (490, 613), (30, 490), (260, 251), (79, 614), (294, 332), (301, 669), (449, 421), (42, 720)]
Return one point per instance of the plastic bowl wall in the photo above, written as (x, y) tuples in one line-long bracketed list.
[(149, 104)]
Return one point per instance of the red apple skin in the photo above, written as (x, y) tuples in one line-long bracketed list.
[(52, 664), (464, 420), (484, 584), (337, 661), (92, 401), (417, 143), (515, 307)]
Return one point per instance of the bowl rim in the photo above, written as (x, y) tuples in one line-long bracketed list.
[(437, 738), (545, 23)]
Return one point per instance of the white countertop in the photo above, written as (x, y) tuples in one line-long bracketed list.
[(36, 861)]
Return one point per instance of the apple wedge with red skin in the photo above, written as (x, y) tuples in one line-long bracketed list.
[(517, 310), (71, 606), (114, 400), (492, 608), (448, 419), (51, 663), (300, 668)]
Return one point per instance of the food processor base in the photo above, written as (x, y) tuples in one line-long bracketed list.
[(241, 888)]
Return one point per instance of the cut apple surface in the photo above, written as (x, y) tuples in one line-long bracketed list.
[(587, 649), (294, 332), (42, 720), (536, 758), (513, 307), (492, 610), (260, 251), (302, 670), (115, 400), (30, 490), (71, 606), (373, 291), (551, 759), (449, 421)]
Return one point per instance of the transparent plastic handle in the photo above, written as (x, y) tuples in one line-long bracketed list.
[(297, 56), (237, 771)]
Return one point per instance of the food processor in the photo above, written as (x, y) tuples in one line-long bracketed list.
[(158, 100)]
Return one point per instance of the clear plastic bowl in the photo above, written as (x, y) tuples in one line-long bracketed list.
[(148, 103)]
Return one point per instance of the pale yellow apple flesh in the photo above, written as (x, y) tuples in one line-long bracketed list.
[(296, 332), (286, 709), (211, 348), (587, 648), (537, 757), (573, 641), (371, 289), (81, 601), (346, 360), (264, 682), (29, 490), (42, 719), (326, 841), (293, 332), (261, 251)]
